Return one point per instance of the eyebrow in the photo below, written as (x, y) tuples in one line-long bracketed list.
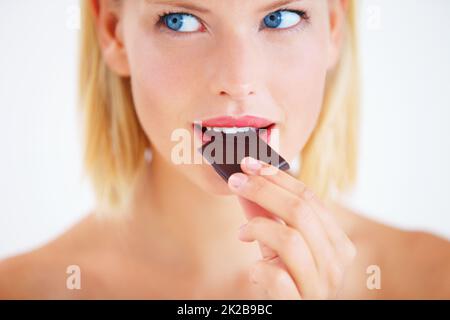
[(180, 4), (194, 7), (278, 4)]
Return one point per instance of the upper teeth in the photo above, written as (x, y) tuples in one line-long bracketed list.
[(230, 130)]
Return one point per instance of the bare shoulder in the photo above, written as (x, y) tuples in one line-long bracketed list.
[(31, 275), (430, 256), (43, 273), (414, 263)]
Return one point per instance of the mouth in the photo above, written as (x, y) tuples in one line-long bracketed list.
[(230, 125)]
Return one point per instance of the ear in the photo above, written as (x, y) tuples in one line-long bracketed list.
[(338, 20), (108, 23)]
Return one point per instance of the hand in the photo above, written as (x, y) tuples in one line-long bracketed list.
[(305, 253)]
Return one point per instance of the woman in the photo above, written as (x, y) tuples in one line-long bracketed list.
[(168, 230)]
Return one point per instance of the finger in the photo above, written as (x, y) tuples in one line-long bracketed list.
[(277, 176), (252, 210), (292, 209), (340, 241), (274, 280), (344, 248), (292, 249)]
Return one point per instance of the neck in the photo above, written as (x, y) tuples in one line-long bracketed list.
[(174, 219), (176, 222)]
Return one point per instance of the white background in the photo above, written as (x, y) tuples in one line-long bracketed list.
[(404, 163)]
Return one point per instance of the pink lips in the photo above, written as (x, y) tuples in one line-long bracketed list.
[(246, 121), (238, 122)]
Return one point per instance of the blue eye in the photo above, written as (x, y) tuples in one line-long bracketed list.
[(283, 19), (181, 22)]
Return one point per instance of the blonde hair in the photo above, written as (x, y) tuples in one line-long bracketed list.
[(114, 141)]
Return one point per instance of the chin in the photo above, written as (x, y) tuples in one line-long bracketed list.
[(205, 177)]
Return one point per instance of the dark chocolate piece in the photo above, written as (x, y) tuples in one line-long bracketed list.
[(226, 151)]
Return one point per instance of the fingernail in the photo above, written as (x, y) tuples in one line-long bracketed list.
[(252, 164), (237, 180)]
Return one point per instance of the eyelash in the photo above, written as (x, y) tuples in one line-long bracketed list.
[(160, 22)]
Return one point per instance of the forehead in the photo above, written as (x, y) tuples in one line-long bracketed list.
[(207, 6)]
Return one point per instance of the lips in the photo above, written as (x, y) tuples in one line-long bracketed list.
[(246, 121), (232, 125)]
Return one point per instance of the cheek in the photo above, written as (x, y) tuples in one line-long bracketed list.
[(302, 89), (161, 81)]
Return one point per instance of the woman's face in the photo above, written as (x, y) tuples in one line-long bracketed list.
[(227, 58)]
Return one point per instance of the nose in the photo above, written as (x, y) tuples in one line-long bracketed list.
[(237, 91), (236, 69)]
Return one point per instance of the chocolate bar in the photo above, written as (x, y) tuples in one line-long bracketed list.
[(226, 151)]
